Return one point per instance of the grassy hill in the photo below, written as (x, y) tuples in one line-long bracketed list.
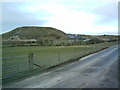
[(30, 32)]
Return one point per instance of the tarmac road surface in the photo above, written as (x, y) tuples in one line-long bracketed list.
[(99, 70)]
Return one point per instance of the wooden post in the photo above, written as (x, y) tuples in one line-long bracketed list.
[(75, 52), (30, 61), (59, 56)]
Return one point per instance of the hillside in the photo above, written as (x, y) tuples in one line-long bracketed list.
[(30, 32)]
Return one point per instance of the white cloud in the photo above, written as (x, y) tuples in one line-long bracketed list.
[(65, 18), (71, 20)]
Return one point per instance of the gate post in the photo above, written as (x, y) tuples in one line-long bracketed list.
[(30, 61)]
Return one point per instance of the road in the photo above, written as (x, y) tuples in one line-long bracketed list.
[(99, 70)]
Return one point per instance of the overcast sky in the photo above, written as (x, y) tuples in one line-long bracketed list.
[(71, 16)]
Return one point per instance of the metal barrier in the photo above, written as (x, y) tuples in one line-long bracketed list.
[(13, 66)]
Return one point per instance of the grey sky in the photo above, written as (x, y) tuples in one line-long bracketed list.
[(107, 13), (13, 17), (70, 16)]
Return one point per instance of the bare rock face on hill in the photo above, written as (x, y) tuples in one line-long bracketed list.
[(30, 32)]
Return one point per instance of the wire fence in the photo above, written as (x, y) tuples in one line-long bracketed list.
[(19, 66)]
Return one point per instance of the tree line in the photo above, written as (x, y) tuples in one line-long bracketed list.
[(52, 42)]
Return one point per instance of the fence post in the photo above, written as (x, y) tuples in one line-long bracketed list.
[(75, 52), (30, 61), (59, 56)]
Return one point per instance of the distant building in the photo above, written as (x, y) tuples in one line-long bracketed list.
[(72, 36), (107, 39), (75, 36)]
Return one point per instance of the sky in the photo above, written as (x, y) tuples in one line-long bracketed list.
[(91, 17)]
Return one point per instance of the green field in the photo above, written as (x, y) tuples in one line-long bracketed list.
[(44, 56)]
